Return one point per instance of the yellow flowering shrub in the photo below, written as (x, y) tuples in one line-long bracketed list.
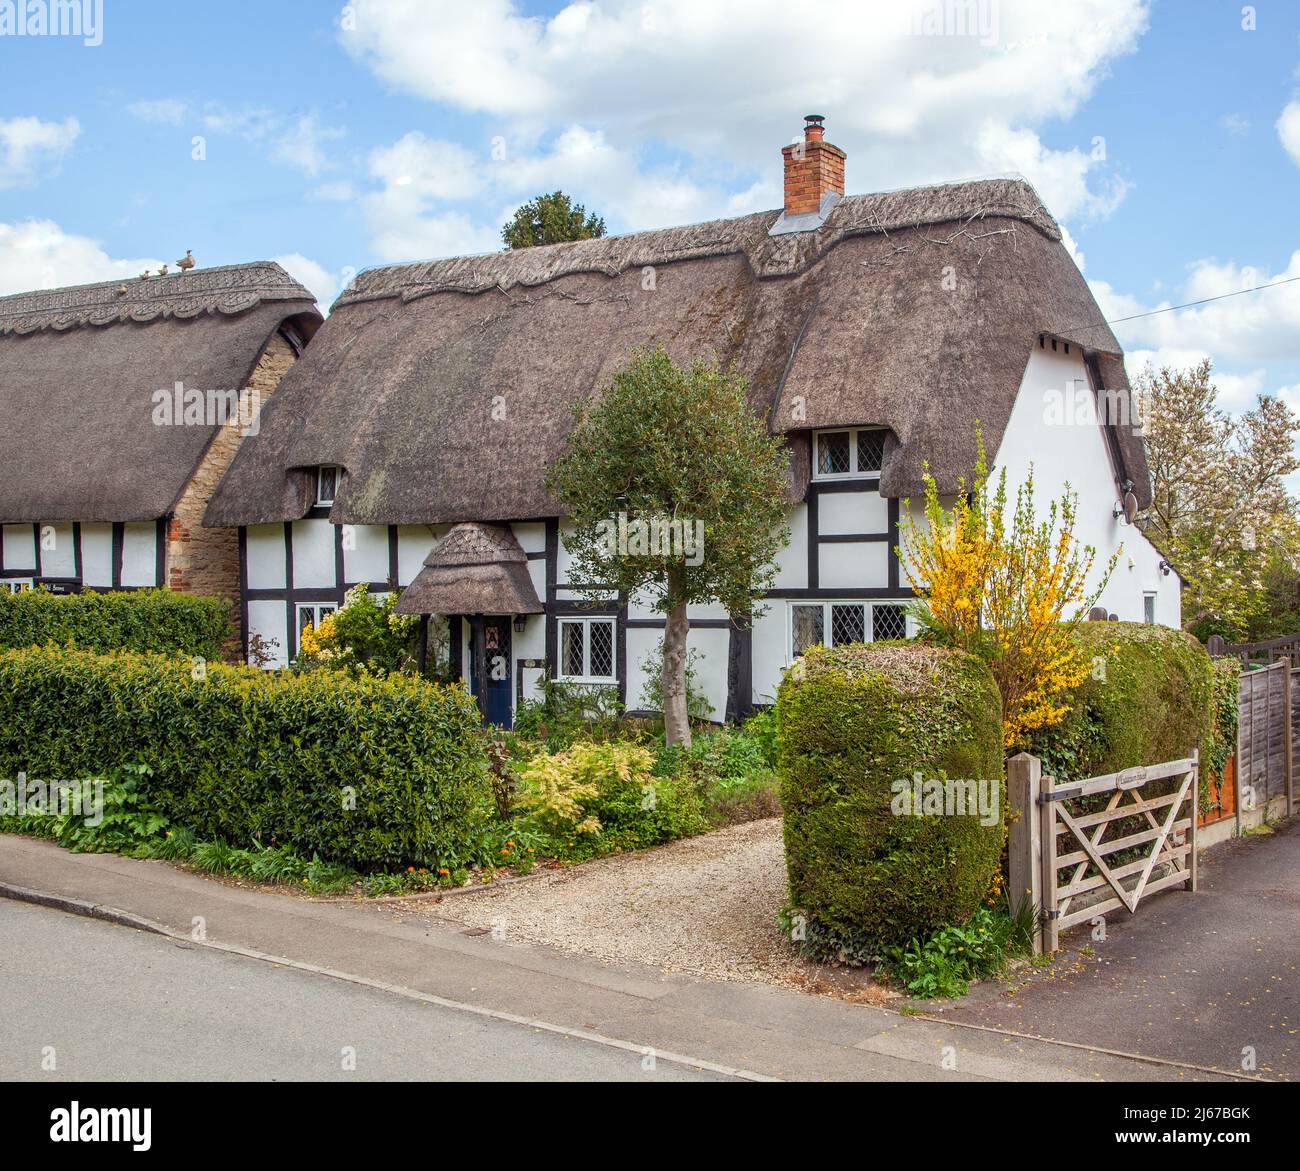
[(601, 798), (1009, 587)]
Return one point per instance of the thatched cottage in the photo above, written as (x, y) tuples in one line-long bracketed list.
[(121, 406), (409, 446)]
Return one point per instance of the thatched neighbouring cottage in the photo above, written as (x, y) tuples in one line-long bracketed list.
[(876, 331), (121, 406)]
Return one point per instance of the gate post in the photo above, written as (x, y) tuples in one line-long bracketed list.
[(1024, 773), (1047, 853)]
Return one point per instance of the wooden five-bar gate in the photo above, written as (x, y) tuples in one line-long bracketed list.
[(1077, 880)]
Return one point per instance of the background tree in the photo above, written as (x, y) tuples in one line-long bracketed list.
[(667, 442), (551, 219), (1221, 511), (1007, 586)]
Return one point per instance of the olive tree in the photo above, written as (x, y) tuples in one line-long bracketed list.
[(676, 493)]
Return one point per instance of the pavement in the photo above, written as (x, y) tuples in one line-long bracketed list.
[(1211, 978), (727, 1029), (169, 1012)]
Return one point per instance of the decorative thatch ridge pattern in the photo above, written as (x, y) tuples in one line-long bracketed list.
[(610, 256), (474, 569), (444, 389), (230, 289), (78, 437)]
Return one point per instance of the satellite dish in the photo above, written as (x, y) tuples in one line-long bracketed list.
[(1130, 507)]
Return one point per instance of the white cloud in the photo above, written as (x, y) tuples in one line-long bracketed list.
[(1241, 334), (1234, 124), (1254, 328), (449, 234), (163, 111), (324, 285), (251, 123), (27, 144), (1071, 245), (38, 254), (335, 192), (726, 82), (415, 174), (1288, 130), (302, 147)]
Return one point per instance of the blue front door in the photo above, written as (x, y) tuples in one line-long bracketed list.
[(497, 656)]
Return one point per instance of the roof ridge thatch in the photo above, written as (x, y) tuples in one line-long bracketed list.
[(476, 543), (226, 289), (855, 215), (852, 324)]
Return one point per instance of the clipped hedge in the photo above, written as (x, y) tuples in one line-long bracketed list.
[(852, 721), (149, 621), (249, 756), (1149, 698)]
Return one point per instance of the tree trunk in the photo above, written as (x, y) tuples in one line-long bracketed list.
[(677, 725)]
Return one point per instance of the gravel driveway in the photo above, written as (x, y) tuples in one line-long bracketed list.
[(706, 905)]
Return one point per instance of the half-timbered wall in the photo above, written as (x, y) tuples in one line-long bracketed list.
[(295, 569), (83, 556)]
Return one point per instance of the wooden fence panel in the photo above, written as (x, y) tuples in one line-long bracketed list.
[(1264, 732)]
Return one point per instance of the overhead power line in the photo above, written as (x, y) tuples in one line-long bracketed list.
[(1203, 301)]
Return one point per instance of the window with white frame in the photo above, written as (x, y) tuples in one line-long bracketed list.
[(327, 484), (586, 650), (1149, 609), (846, 455), (311, 614), (837, 623)]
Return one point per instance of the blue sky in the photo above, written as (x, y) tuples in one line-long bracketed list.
[(1165, 136)]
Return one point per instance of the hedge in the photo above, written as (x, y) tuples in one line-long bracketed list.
[(157, 621), (851, 722), (1149, 698), (249, 756)]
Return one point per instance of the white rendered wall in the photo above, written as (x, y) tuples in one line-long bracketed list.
[(19, 549), (139, 553), (265, 555), (96, 556), (1067, 446)]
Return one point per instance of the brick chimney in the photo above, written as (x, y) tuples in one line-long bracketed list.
[(812, 168)]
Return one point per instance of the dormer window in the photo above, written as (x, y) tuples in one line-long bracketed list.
[(844, 455), (327, 482)]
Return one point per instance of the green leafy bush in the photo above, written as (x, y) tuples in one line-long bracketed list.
[(150, 621), (102, 815), (1223, 732), (1148, 698), (851, 721), (570, 713), (595, 799), (699, 708), (944, 963), (730, 769), (374, 773)]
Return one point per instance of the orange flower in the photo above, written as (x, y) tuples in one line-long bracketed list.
[(444, 870)]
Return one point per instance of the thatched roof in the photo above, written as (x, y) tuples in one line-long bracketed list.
[(78, 370), (443, 389), (474, 569)]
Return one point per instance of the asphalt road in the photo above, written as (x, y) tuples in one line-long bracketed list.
[(112, 1003)]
